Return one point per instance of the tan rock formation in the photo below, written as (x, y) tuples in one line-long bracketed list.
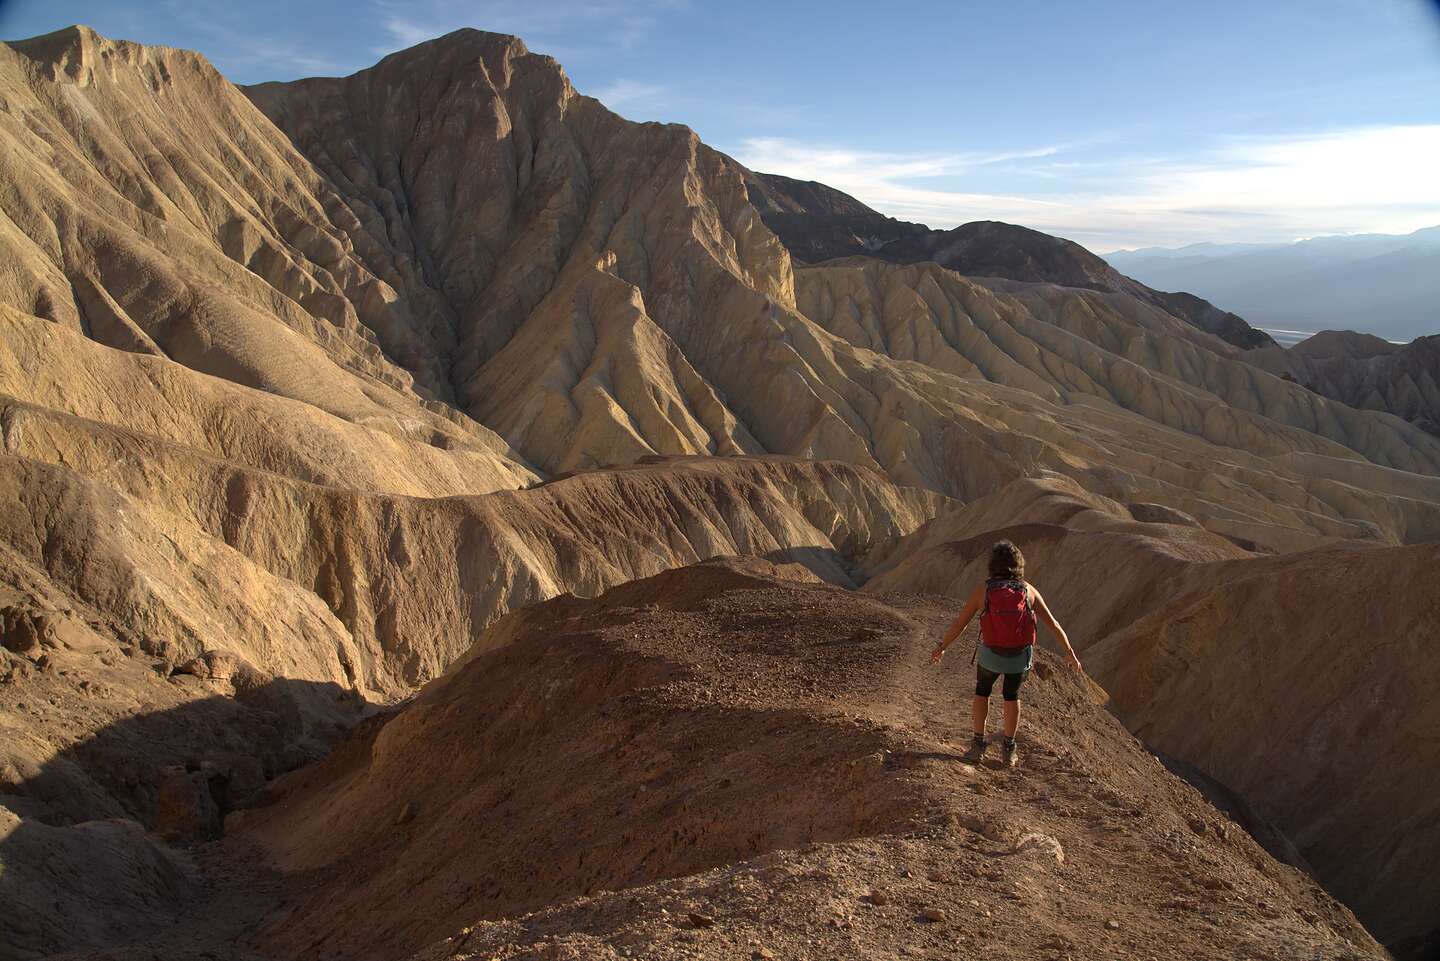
[(1365, 372), (284, 374)]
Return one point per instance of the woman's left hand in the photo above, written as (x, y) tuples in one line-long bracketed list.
[(936, 654)]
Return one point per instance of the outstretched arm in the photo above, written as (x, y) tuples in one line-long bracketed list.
[(1049, 618), (972, 604)]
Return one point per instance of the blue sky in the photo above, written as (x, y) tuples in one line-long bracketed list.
[(1117, 124)]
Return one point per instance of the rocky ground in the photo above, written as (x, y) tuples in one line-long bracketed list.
[(736, 761)]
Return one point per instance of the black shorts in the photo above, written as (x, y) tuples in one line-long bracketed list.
[(985, 683)]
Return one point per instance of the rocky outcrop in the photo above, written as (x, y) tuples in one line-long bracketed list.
[(818, 223), (1365, 372), (1056, 343)]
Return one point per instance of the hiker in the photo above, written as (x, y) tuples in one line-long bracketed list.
[(1007, 606)]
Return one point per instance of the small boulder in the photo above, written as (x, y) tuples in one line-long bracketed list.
[(701, 920), (1112, 925), (407, 813), (933, 915), (1043, 843), (217, 665), (25, 631)]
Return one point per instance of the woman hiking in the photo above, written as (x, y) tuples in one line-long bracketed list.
[(1007, 606)]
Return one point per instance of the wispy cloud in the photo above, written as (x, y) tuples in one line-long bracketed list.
[(622, 92), (1273, 188), (237, 51), (550, 27)]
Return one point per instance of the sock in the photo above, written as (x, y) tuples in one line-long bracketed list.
[(1010, 742)]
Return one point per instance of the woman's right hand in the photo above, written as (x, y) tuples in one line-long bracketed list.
[(937, 654)]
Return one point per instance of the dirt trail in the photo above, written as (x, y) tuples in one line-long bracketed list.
[(735, 761), (718, 762)]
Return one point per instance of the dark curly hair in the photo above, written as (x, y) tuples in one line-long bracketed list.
[(1007, 561)]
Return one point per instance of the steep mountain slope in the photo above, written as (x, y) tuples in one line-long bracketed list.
[(151, 207), (1234, 664), (1365, 372), (291, 378), (818, 223), (1010, 334), (790, 754), (1379, 284), (536, 350), (611, 293)]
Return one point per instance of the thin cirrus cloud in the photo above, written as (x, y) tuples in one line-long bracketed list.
[(629, 93), (1366, 179), (615, 24)]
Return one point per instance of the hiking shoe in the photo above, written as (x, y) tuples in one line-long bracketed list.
[(977, 749), (1012, 753)]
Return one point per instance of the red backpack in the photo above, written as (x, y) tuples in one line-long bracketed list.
[(1007, 622)]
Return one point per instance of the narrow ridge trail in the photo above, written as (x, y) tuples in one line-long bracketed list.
[(737, 743)]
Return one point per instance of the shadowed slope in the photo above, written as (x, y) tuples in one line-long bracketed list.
[(1304, 682), (1365, 372), (787, 751)]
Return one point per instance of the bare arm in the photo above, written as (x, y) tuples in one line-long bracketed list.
[(1044, 610), (962, 620)]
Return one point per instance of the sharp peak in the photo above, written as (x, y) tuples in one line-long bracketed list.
[(71, 53), (76, 33), (79, 30), (462, 38)]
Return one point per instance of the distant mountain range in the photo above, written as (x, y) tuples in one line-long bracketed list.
[(1382, 284)]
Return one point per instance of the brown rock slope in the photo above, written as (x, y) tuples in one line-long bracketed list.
[(1303, 682), (1317, 676), (1365, 372), (777, 758)]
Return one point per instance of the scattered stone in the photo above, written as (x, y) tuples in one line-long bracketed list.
[(701, 920), (933, 915), (218, 665), (878, 897), (44, 663), (1112, 925), (1197, 825), (24, 631), (407, 813), (1043, 843), (762, 954)]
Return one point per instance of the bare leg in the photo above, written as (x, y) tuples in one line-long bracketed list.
[(979, 710), (1012, 717)]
